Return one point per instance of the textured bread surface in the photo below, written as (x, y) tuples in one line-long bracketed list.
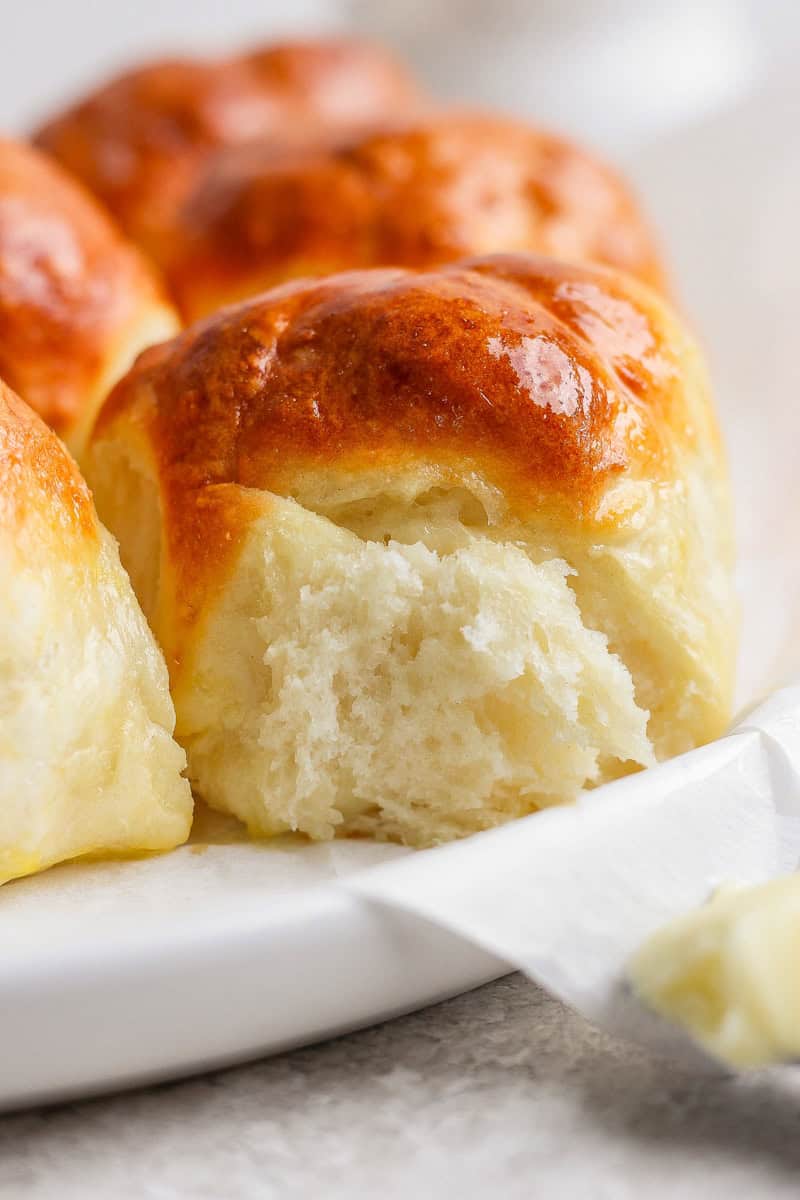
[(137, 142), (87, 761), (427, 550), (441, 188), (77, 302)]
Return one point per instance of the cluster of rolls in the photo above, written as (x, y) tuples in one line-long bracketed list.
[(423, 524)]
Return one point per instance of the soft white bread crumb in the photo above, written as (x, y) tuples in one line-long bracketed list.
[(412, 664), (396, 691)]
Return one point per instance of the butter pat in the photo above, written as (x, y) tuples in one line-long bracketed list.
[(730, 973)]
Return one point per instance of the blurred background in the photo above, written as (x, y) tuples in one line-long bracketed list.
[(699, 100), (615, 71)]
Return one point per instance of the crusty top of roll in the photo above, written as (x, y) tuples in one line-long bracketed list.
[(136, 141), (546, 382), (36, 473), (75, 297), (440, 188)]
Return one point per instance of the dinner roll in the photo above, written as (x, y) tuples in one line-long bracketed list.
[(77, 303), (87, 760), (137, 141), (426, 551), (438, 189)]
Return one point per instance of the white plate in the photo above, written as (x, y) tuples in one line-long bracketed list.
[(114, 974)]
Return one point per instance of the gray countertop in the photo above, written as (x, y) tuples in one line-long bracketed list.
[(499, 1092)]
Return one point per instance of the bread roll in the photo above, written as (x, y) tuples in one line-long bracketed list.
[(77, 303), (427, 551), (137, 142), (438, 189), (87, 760)]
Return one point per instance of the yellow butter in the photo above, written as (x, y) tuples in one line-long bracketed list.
[(729, 973)]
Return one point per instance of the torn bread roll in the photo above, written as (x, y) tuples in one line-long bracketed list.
[(427, 551), (87, 760)]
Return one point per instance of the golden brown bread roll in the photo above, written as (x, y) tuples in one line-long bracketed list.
[(426, 551), (137, 142), (77, 303), (87, 761), (439, 189)]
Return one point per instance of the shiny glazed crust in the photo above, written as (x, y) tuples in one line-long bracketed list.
[(137, 142), (551, 384), (76, 301), (36, 473), (425, 193)]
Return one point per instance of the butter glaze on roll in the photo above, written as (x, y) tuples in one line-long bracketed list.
[(427, 551), (439, 189), (87, 760), (138, 141), (77, 302)]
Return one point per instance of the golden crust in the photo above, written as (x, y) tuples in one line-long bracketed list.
[(138, 141), (71, 289), (37, 473), (442, 188), (549, 382)]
